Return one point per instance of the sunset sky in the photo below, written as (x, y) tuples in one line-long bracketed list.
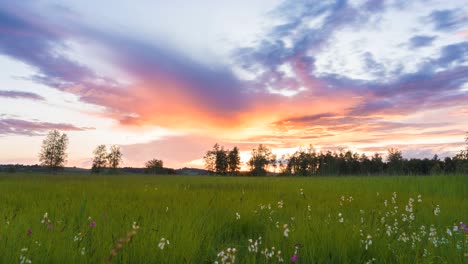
[(169, 79)]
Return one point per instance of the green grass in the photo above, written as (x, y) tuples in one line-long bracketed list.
[(198, 216)]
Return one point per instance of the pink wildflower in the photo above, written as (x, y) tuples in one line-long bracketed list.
[(294, 258)]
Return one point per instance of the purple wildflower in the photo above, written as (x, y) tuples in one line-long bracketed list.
[(92, 224), (294, 258), (51, 227), (29, 232)]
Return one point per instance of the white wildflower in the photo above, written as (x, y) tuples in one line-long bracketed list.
[(163, 242), (285, 230)]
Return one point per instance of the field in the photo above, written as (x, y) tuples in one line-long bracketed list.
[(123, 218)]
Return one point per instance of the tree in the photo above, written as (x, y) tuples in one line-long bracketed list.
[(100, 159), (216, 160), (221, 164), (154, 166), (233, 160), (53, 152), (261, 158), (461, 159), (210, 158), (395, 161), (114, 158)]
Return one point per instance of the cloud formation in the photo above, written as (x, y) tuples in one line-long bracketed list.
[(326, 72), (11, 126), (21, 95)]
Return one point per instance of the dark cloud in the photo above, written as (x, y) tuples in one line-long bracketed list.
[(9, 126), (421, 41), (21, 95)]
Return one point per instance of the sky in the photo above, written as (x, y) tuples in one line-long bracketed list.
[(169, 79)]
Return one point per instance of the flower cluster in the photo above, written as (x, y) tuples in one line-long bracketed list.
[(227, 256), (280, 204), (23, 258), (163, 242), (253, 245), (270, 253)]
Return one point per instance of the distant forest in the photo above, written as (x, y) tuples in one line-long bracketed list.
[(221, 161), (308, 162)]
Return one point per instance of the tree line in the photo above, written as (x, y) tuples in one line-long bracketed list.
[(308, 162), (53, 155), (304, 162)]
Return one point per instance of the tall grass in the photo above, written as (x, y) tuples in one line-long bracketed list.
[(198, 216)]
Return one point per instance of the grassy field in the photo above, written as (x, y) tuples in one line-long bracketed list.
[(321, 220)]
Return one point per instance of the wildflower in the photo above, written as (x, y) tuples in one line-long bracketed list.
[(135, 226), (437, 210), (29, 232), (449, 232), (279, 257), (280, 204), (368, 242), (45, 219), (23, 259), (78, 237), (341, 219), (237, 216), (51, 227), (83, 251), (163, 242), (404, 218), (92, 224), (227, 257), (419, 199), (301, 191), (295, 256), (253, 245), (286, 230)]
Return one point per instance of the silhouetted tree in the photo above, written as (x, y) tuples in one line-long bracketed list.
[(154, 166), (377, 164), (100, 159), (233, 160), (53, 152), (210, 158), (217, 160), (114, 158), (261, 158), (395, 161)]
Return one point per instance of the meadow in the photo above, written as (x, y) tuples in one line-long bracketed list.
[(186, 219)]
